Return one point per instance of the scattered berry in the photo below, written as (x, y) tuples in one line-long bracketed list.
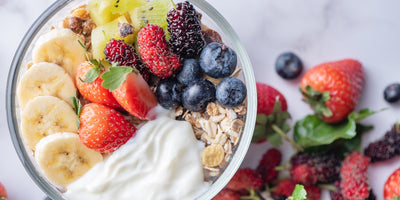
[(245, 179), (155, 53), (103, 128), (3, 192), (190, 72), (94, 91), (392, 93), (184, 28), (353, 174), (266, 98), (227, 194), (169, 93), (309, 169), (284, 188), (117, 51), (198, 94), (267, 164), (392, 186), (231, 92), (217, 60), (333, 88), (313, 192), (288, 65), (385, 148)]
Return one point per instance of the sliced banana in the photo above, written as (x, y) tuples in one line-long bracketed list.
[(46, 115), (64, 158), (60, 46), (45, 79)]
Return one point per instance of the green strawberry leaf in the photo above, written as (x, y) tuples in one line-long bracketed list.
[(396, 197), (299, 193), (77, 108), (115, 77), (312, 131), (91, 75)]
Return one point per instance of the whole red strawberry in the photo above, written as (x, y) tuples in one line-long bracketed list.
[(93, 91), (392, 186), (354, 180), (333, 88), (227, 194), (272, 111), (3, 192), (245, 179), (267, 164), (155, 53), (103, 128), (284, 188)]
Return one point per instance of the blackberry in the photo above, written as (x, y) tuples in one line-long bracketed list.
[(117, 51), (385, 148), (184, 28), (310, 169)]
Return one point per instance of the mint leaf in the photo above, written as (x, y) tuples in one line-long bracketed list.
[(77, 108), (312, 131), (115, 77), (91, 75), (396, 197), (299, 193)]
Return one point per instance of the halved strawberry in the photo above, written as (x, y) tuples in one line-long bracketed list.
[(3, 192), (103, 128), (130, 90), (92, 90)]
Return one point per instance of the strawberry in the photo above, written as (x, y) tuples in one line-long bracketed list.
[(272, 115), (130, 90), (333, 88), (267, 164), (227, 194), (392, 186), (155, 53), (354, 181), (3, 192), (93, 91), (245, 179), (103, 128)]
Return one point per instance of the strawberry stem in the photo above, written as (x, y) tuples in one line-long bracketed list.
[(317, 101), (282, 134)]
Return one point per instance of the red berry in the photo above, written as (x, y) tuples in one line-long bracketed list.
[(343, 80), (94, 91), (267, 164), (284, 188), (117, 51), (245, 179), (313, 192), (266, 98), (3, 192), (103, 129), (155, 53), (392, 186), (227, 194), (354, 180), (135, 96)]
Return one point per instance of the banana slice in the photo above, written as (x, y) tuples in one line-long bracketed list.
[(46, 115), (45, 79), (60, 46), (64, 158)]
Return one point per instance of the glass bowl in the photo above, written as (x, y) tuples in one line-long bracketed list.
[(55, 14)]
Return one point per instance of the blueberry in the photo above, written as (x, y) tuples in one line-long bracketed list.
[(198, 94), (231, 92), (217, 60), (392, 93), (190, 71), (169, 93), (288, 65)]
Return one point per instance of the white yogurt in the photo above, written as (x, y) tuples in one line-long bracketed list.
[(161, 162)]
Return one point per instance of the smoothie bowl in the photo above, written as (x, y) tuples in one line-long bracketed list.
[(131, 100)]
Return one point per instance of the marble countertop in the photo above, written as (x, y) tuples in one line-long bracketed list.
[(316, 30)]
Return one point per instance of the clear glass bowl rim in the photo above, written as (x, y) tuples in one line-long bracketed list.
[(205, 7)]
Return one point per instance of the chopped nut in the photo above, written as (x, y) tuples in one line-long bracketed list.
[(212, 155), (75, 24), (80, 12)]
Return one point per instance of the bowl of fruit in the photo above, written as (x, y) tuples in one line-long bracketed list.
[(131, 100)]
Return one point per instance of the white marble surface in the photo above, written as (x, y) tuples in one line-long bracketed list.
[(317, 30)]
